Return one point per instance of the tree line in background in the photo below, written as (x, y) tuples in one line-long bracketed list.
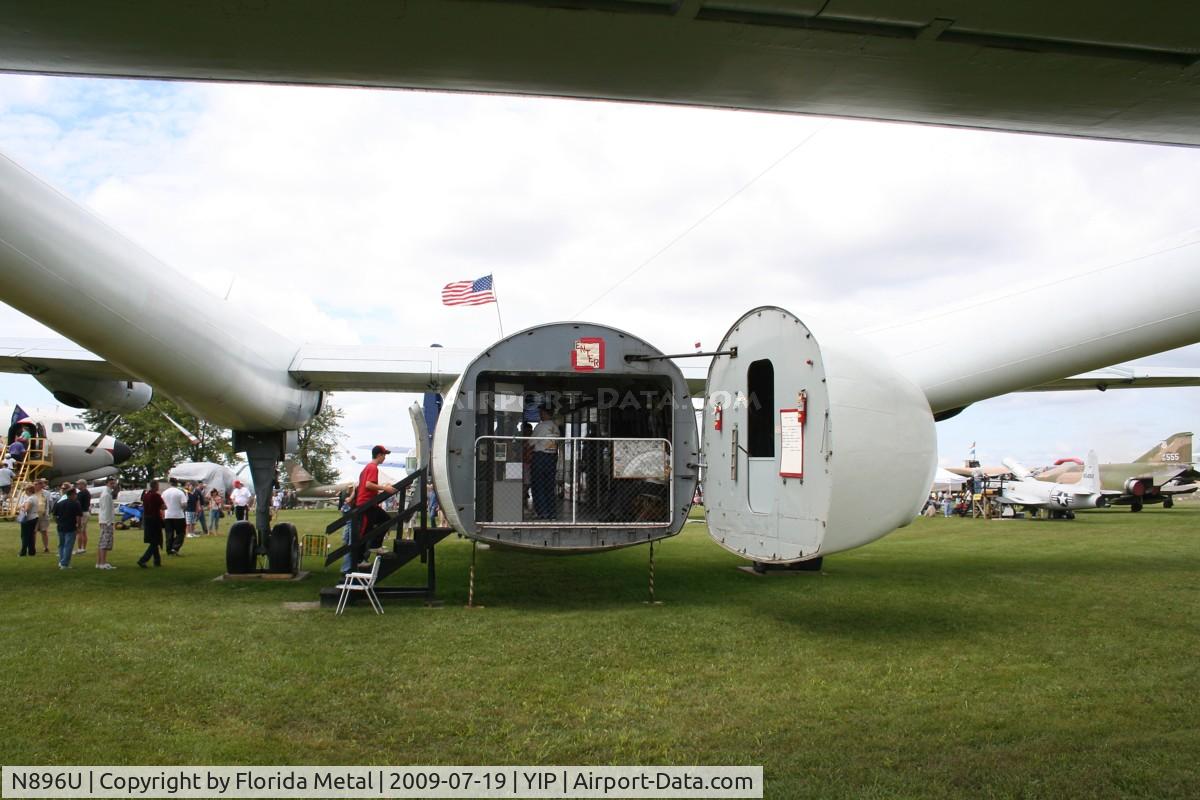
[(318, 444), (158, 446)]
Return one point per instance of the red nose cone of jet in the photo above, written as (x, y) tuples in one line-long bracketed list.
[(120, 452)]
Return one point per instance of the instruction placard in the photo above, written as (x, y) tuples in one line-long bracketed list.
[(791, 440)]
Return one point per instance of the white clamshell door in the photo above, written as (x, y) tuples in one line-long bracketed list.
[(811, 446)]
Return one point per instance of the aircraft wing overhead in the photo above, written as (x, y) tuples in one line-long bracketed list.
[(354, 368), (1123, 377), (341, 368), (35, 356), (1104, 69), (366, 368)]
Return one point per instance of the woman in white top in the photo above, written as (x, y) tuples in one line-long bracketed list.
[(27, 512)]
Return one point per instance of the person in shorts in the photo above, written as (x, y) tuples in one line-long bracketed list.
[(190, 510), (107, 522)]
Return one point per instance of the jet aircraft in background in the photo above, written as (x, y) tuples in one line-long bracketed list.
[(1061, 500), (1157, 476), (306, 486)]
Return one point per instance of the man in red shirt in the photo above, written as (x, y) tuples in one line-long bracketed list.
[(368, 487)]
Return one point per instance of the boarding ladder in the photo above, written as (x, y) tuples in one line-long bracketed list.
[(403, 550), (38, 461)]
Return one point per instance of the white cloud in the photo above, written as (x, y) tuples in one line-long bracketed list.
[(338, 214)]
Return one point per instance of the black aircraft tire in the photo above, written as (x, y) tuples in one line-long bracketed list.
[(1168, 502), (1135, 506), (283, 548), (239, 548)]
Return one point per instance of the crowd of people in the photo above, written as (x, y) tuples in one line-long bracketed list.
[(948, 504), (186, 511), (179, 512), (70, 509)]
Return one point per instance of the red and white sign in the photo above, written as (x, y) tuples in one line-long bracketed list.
[(791, 430), (588, 354)]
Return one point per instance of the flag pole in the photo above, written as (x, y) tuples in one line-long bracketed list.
[(496, 295)]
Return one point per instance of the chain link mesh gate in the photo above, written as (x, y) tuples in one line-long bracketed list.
[(568, 481)]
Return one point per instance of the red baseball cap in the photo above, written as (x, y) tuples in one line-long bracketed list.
[(377, 449)]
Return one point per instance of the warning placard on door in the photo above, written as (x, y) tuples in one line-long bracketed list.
[(791, 443)]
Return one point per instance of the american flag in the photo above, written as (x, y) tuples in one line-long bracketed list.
[(469, 293)]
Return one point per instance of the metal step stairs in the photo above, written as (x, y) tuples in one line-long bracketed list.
[(403, 551), (37, 462)]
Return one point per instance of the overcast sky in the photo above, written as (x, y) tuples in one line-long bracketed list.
[(338, 214)]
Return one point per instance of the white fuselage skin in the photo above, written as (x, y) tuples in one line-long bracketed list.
[(1099, 327), (1033, 493), (52, 250)]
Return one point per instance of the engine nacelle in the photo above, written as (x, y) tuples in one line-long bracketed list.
[(96, 394), (823, 445), (1135, 487)]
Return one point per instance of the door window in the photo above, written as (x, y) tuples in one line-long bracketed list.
[(760, 406)]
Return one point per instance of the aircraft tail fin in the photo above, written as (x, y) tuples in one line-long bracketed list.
[(298, 476), (1176, 448), (1090, 480)]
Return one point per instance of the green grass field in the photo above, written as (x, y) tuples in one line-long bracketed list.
[(953, 658)]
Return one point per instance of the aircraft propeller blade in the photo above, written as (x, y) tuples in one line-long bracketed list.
[(193, 440), (91, 448)]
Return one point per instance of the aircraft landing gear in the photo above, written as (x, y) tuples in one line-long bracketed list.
[(1168, 501), (283, 548), (248, 541), (1136, 505), (240, 545)]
